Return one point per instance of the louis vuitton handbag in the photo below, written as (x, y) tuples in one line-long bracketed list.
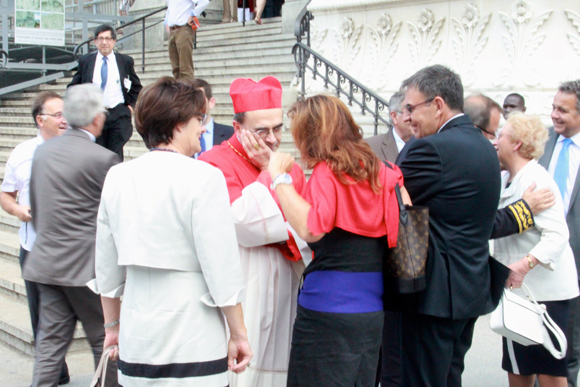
[(404, 265)]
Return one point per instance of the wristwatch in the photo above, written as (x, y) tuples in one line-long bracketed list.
[(530, 263), (284, 178)]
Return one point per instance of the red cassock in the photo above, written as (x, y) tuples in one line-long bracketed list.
[(231, 158)]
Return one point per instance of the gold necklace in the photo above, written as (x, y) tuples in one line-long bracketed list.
[(235, 150)]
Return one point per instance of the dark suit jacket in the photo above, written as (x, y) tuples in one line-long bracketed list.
[(573, 217), (456, 174), (221, 133), (126, 67), (384, 146), (64, 199)]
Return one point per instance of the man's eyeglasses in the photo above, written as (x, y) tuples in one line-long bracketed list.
[(264, 133), (495, 135), (410, 108), (104, 39), (57, 115)]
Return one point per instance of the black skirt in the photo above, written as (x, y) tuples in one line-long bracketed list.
[(535, 359), (335, 349)]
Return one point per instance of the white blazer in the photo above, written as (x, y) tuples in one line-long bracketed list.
[(168, 211), (555, 278)]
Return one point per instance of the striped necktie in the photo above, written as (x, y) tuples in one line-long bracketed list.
[(562, 166)]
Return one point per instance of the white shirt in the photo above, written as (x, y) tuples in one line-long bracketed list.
[(573, 164), (452, 118), (91, 136), (398, 140), (113, 94), (178, 11), (17, 179)]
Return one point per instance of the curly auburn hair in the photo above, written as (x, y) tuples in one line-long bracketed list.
[(325, 131)]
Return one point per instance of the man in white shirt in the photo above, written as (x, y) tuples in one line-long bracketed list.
[(178, 22), (388, 146), (562, 160), (47, 114), (214, 133), (115, 74)]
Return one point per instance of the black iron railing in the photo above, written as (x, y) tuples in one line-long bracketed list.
[(144, 27), (344, 85), (307, 59)]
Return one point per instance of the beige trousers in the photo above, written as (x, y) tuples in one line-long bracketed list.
[(181, 52), (230, 11)]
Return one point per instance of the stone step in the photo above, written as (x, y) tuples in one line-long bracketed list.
[(16, 121), (17, 132), (16, 331), (264, 59), (9, 246), (202, 56), (8, 223)]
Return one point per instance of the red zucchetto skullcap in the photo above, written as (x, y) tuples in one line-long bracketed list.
[(249, 95)]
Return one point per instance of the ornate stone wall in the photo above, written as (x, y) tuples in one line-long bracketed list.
[(497, 46)]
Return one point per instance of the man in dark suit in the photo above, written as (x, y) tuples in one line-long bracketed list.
[(562, 160), (115, 74), (387, 146), (215, 133), (485, 114), (452, 169), (68, 173)]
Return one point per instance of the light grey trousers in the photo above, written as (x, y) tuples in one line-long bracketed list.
[(60, 309)]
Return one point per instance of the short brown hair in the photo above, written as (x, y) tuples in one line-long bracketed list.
[(528, 129), (39, 101), (202, 84), (163, 105), (324, 131)]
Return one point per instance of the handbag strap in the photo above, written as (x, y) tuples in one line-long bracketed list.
[(101, 371), (552, 326), (397, 189)]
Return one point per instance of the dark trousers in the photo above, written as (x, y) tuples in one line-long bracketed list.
[(389, 373), (573, 338), (118, 129), (433, 350), (60, 309), (33, 306)]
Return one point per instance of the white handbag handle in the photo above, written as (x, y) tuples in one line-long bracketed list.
[(552, 326), (101, 371)]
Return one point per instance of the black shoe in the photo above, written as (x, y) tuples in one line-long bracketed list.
[(64, 375)]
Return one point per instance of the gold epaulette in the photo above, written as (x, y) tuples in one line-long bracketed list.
[(523, 215)]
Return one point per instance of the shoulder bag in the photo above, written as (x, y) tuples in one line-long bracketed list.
[(526, 322), (404, 265)]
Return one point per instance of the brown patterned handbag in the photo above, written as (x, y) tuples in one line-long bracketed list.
[(404, 265)]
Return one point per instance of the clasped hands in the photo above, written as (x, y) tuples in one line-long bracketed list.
[(263, 157)]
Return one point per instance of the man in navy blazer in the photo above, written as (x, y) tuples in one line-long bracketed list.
[(215, 133), (452, 169), (115, 74)]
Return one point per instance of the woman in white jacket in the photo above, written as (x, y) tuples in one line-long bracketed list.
[(541, 257)]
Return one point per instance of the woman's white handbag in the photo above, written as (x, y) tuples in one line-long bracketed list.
[(101, 371), (526, 322)]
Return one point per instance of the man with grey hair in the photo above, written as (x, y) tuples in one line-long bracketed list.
[(387, 146), (67, 176), (454, 171), (485, 114), (562, 160)]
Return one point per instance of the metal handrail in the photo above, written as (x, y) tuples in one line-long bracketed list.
[(302, 24), (142, 30), (369, 101)]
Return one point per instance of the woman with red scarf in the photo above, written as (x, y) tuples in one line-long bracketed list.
[(349, 216)]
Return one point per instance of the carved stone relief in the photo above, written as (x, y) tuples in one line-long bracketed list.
[(470, 41), (347, 43), (521, 42), (382, 48), (425, 43), (574, 38)]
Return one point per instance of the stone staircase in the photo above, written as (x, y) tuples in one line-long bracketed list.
[(224, 52)]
